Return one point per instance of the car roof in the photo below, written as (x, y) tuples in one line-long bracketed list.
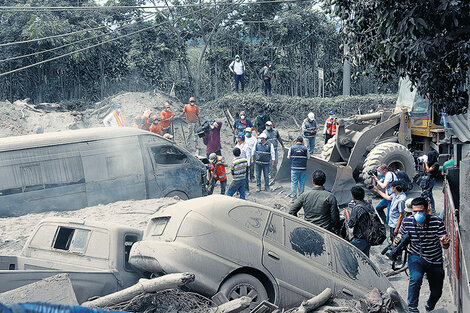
[(77, 223), (70, 136)]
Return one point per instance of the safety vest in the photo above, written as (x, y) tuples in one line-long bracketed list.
[(119, 119), (239, 166), (218, 171), (272, 137), (263, 154), (298, 155), (330, 127)]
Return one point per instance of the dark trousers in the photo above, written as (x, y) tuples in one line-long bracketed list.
[(223, 184), (267, 87), (426, 193), (265, 169), (239, 79), (435, 275), (237, 185), (362, 245), (383, 204), (327, 137), (251, 170)]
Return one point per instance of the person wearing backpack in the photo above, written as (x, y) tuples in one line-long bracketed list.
[(397, 207), (359, 220)]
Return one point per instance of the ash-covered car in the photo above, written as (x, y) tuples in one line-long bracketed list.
[(238, 248)]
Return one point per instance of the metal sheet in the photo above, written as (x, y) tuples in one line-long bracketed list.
[(339, 179), (460, 126)]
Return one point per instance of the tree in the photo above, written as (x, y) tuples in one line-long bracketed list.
[(428, 41)]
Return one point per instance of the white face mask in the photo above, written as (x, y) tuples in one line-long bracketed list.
[(268, 127), (242, 117)]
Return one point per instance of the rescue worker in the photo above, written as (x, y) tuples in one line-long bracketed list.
[(298, 154), (217, 171), (273, 136), (155, 126), (320, 206), (245, 153), (260, 121), (166, 118), (114, 119), (251, 141), (309, 130), (212, 138), (237, 68), (263, 155), (238, 170), (192, 118), (143, 121), (240, 124), (329, 130)]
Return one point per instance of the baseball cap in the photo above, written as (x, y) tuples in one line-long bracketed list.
[(262, 135), (212, 156), (248, 129), (300, 139), (269, 123), (408, 205), (241, 136), (117, 105), (332, 112)]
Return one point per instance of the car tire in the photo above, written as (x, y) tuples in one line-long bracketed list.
[(244, 285), (177, 193)]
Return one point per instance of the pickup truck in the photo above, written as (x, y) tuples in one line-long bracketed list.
[(95, 255)]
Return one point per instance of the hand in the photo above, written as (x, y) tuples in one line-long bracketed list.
[(396, 240), (445, 241), (375, 189), (346, 213), (395, 231)]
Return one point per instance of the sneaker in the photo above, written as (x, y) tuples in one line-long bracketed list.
[(428, 308), (267, 188), (413, 310), (259, 188)]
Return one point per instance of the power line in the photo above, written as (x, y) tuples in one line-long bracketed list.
[(88, 8), (53, 36), (60, 47), (89, 47)]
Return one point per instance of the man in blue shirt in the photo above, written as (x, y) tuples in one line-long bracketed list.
[(298, 154), (397, 207), (427, 236)]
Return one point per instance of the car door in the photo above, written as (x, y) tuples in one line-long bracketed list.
[(174, 172), (298, 256)]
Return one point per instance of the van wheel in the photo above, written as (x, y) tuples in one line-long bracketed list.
[(177, 193), (241, 285)]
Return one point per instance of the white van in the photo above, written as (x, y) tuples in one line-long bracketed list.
[(74, 169)]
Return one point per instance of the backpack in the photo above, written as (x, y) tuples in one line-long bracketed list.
[(375, 233), (405, 181)]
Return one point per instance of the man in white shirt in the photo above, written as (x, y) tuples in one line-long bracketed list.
[(251, 140), (237, 68), (114, 119)]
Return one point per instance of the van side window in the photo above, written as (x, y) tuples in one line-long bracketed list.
[(31, 176), (168, 155), (129, 240)]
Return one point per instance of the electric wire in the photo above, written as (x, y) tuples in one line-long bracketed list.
[(91, 46), (88, 8), (6, 44), (61, 47)]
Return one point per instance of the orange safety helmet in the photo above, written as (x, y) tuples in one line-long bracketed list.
[(192, 99), (167, 105)]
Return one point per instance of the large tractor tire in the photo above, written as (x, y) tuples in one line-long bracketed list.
[(395, 155), (327, 149)]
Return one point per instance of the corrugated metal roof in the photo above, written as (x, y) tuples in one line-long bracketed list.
[(460, 126), (68, 136)]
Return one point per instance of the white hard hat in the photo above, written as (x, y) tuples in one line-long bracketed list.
[(262, 135), (269, 123), (311, 116)]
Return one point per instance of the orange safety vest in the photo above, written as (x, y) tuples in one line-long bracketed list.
[(330, 127), (156, 129), (141, 122), (119, 119), (218, 171)]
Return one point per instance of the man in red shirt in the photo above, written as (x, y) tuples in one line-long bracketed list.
[(166, 117), (192, 118)]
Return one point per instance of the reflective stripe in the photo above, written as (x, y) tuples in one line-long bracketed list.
[(119, 119)]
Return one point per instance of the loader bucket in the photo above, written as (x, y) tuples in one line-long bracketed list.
[(339, 179)]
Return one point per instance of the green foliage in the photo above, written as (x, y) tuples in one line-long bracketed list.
[(285, 107), (428, 40)]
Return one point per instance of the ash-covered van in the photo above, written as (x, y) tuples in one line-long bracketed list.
[(74, 169)]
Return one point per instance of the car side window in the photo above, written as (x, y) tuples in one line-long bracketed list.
[(250, 217), (168, 155), (275, 230), (306, 241), (352, 263)]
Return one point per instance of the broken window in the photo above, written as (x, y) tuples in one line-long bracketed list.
[(63, 238), (168, 155), (306, 241), (275, 230), (252, 218), (72, 239), (129, 241)]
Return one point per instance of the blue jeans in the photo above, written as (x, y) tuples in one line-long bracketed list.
[(265, 169), (273, 164), (297, 177), (362, 245), (310, 144), (435, 274), (239, 79), (381, 210), (427, 194), (237, 185), (267, 87)]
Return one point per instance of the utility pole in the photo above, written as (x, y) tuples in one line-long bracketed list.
[(346, 72)]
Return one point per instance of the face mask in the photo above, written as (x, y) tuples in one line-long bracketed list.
[(212, 126), (268, 127), (248, 135), (237, 59), (260, 140), (242, 117), (261, 115), (419, 217), (379, 174), (168, 109), (192, 103)]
